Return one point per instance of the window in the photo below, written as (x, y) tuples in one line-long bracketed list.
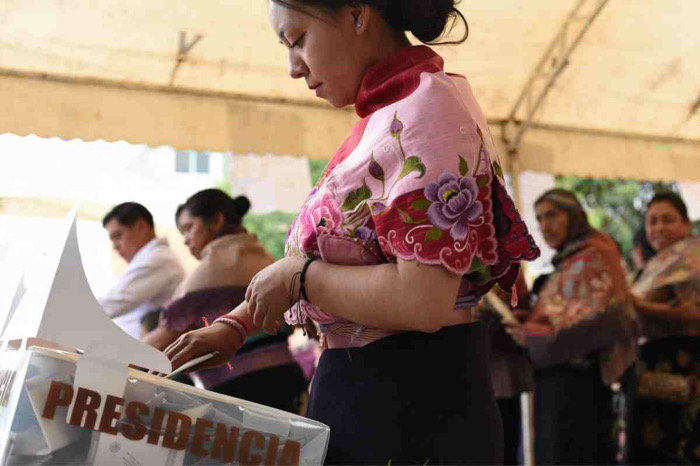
[(189, 161)]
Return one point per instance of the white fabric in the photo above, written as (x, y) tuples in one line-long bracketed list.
[(148, 283), (77, 69)]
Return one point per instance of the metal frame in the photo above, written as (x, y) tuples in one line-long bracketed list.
[(551, 65)]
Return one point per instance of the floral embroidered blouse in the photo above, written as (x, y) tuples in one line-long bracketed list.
[(418, 179)]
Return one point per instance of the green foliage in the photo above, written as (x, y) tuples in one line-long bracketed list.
[(271, 230), (317, 167), (615, 206)]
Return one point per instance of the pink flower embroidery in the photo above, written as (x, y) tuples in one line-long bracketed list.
[(321, 214)]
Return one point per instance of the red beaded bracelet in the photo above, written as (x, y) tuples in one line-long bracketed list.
[(235, 324)]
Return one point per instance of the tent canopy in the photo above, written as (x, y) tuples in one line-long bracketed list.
[(626, 104)]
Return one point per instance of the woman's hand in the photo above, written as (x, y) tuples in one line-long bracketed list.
[(268, 293), (218, 337)]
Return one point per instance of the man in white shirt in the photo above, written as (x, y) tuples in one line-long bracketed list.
[(154, 271)]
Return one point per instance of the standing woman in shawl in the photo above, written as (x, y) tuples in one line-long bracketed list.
[(263, 370), (580, 336), (665, 428), (410, 225)]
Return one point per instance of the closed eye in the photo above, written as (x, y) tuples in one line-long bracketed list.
[(298, 42)]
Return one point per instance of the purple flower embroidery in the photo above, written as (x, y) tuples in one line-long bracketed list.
[(375, 169), (454, 204), (396, 127), (377, 208), (366, 234)]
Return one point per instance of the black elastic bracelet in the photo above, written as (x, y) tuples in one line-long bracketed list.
[(302, 279)]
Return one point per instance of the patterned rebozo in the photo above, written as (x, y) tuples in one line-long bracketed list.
[(418, 179)]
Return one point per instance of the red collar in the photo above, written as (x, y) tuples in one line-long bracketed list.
[(394, 78)]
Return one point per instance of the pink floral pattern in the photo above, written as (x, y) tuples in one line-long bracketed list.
[(419, 178)]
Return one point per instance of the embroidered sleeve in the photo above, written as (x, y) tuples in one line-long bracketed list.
[(447, 209)]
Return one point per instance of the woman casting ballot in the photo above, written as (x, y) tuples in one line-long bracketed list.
[(409, 226)]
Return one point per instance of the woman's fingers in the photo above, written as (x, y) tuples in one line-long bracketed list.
[(270, 325), (175, 347), (249, 290), (259, 316)]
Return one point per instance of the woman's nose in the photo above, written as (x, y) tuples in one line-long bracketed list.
[(297, 67)]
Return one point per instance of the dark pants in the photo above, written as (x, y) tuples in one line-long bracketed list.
[(412, 398), (573, 417), (512, 422)]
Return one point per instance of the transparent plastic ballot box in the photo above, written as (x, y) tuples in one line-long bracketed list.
[(45, 419)]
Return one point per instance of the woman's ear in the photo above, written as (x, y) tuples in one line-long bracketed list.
[(361, 16), (217, 222)]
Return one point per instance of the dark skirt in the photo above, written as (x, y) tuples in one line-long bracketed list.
[(665, 430), (573, 416), (412, 398)]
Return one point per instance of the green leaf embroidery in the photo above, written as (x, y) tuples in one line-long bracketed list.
[(463, 166), (413, 164), (407, 219), (497, 168), (356, 197), (479, 272), (482, 181), (433, 234), (405, 216), (420, 204)]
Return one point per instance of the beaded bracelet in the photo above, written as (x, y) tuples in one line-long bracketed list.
[(235, 324), (302, 280)]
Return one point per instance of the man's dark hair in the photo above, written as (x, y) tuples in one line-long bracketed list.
[(128, 213)]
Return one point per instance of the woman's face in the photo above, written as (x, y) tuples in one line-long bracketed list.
[(664, 225), (554, 224), (325, 49), (196, 232)]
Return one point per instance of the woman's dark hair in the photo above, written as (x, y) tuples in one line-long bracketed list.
[(640, 238), (567, 202), (672, 198), (425, 19), (206, 204)]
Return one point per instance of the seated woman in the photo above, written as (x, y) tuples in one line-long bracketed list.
[(580, 336), (263, 371), (664, 428)]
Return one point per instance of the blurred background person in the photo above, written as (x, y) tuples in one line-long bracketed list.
[(510, 368), (641, 252), (154, 271), (664, 421), (580, 336), (263, 371)]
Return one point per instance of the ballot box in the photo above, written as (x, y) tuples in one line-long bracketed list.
[(46, 419), (69, 393)]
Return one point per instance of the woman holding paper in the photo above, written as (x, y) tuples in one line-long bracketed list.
[(580, 336), (664, 427), (263, 370), (410, 225)]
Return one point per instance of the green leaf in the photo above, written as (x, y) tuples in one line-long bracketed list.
[(499, 171), (356, 197), (433, 234), (413, 164), (405, 216), (420, 204), (407, 219), (482, 181), (463, 166)]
